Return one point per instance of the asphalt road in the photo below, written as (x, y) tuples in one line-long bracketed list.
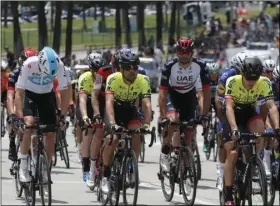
[(69, 189)]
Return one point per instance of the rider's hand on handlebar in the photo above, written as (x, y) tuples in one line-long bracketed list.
[(277, 132), (144, 128), (87, 121), (116, 128), (12, 118), (20, 124), (235, 134), (98, 119)]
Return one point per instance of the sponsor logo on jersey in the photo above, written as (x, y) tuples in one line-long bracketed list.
[(185, 78), (41, 80)]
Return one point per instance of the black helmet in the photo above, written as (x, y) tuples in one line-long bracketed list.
[(127, 58), (252, 68), (96, 63)]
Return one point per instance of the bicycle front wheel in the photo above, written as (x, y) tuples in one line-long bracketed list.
[(45, 188), (130, 178), (64, 149), (188, 176), (142, 152)]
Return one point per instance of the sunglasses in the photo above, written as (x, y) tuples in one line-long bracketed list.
[(185, 52), (268, 72), (128, 68), (252, 78)]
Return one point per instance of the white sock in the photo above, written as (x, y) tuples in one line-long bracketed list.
[(92, 165), (23, 162), (79, 146)]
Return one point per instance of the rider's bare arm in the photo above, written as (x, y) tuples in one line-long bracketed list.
[(273, 111), (83, 103), (94, 100), (110, 108), (206, 99), (10, 102), (162, 101), (18, 102), (219, 106), (200, 101), (147, 108), (230, 113)]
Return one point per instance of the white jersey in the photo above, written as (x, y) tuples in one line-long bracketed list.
[(31, 78), (68, 75)]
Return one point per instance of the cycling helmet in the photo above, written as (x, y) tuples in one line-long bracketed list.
[(213, 67), (237, 60), (28, 52), (141, 70), (48, 61), (185, 44), (276, 73), (96, 63), (252, 68), (4, 65), (127, 58), (93, 55), (269, 65)]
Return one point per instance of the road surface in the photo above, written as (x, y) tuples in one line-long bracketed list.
[(69, 189)]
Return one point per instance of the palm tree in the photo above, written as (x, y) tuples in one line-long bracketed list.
[(68, 42), (140, 24), (42, 26), (57, 26), (159, 23), (118, 29), (18, 43), (127, 24)]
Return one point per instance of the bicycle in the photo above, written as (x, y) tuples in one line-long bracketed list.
[(246, 171), (125, 164), (182, 166), (38, 165), (3, 127), (61, 146)]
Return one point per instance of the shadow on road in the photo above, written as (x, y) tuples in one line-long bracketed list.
[(6, 178), (60, 172), (63, 167), (208, 180), (149, 163)]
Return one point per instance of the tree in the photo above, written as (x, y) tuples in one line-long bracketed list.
[(57, 26), (118, 29), (18, 43), (159, 19), (5, 6), (178, 20), (140, 24), (68, 43), (84, 17), (127, 24), (42, 26), (172, 22)]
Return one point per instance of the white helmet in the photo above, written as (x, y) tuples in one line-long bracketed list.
[(238, 59), (213, 67), (276, 73), (94, 55), (4, 65), (48, 61), (269, 65)]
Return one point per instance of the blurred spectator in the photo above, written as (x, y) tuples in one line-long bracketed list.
[(10, 57), (151, 42), (74, 61), (149, 52)]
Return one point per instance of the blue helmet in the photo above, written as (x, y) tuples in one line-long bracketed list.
[(48, 61), (141, 70)]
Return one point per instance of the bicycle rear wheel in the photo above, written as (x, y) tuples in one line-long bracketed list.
[(45, 188), (142, 152), (130, 170), (187, 176), (64, 149)]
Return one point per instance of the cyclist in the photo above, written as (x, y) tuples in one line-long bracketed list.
[(180, 84), (13, 77), (34, 89), (241, 95), (234, 69), (84, 109), (122, 90), (4, 88)]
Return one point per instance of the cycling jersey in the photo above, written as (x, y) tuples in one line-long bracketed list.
[(243, 97), (13, 78), (184, 80), (86, 83), (68, 77), (128, 94), (228, 72), (101, 77), (31, 78)]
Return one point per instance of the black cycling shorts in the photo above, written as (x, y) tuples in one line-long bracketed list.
[(184, 104), (4, 97), (243, 119), (42, 106)]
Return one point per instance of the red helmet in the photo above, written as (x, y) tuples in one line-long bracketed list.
[(185, 44), (28, 52)]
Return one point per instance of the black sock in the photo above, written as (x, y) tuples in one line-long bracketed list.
[(229, 193), (86, 164)]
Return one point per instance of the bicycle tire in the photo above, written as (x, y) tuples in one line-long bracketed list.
[(18, 186), (115, 182), (54, 161), (272, 191), (190, 158), (44, 167), (197, 161), (256, 161), (142, 152), (3, 129), (64, 150), (208, 133), (28, 193), (130, 156), (215, 154), (168, 197)]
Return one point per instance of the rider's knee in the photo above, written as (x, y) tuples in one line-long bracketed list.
[(29, 120), (256, 124)]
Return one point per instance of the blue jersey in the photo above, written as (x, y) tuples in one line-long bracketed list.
[(225, 74)]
